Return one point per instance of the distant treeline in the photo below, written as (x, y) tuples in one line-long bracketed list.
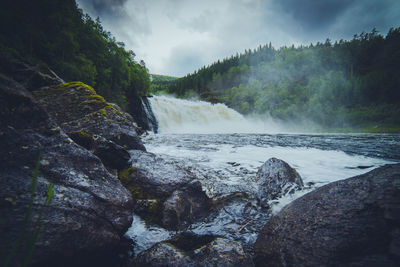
[(57, 33), (344, 84), (160, 82)]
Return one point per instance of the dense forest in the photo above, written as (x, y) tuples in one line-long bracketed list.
[(58, 34), (352, 83)]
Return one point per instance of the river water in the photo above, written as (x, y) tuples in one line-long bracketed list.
[(224, 150)]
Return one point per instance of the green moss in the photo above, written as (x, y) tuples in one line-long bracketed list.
[(81, 133), (82, 138), (148, 206), (139, 193), (124, 175), (65, 86), (97, 97), (149, 210), (11, 200), (95, 101), (107, 109)]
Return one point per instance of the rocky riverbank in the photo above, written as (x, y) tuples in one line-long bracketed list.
[(100, 173), (82, 141)]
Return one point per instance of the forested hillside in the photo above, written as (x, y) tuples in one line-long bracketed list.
[(58, 34), (161, 82), (353, 83)]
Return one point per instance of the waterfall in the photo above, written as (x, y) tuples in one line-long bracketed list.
[(187, 116)]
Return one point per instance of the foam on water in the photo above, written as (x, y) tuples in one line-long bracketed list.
[(314, 165)]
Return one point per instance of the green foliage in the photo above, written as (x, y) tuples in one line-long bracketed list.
[(76, 47), (160, 83), (340, 85)]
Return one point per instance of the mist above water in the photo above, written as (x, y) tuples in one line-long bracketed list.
[(184, 116)]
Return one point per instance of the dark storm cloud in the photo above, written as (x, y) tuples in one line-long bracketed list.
[(339, 17), (104, 7), (179, 36), (313, 14), (126, 19), (369, 14)]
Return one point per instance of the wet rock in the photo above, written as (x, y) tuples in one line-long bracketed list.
[(141, 110), (275, 178), (352, 222), (90, 209), (184, 206), (222, 252), (163, 254), (157, 175), (167, 194), (192, 250)]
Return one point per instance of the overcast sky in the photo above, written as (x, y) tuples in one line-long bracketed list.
[(176, 37)]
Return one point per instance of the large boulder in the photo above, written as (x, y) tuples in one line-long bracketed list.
[(276, 178), (77, 108), (192, 250), (166, 193), (352, 222), (92, 122), (90, 209)]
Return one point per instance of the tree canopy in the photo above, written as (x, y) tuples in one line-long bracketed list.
[(57, 33), (347, 83)]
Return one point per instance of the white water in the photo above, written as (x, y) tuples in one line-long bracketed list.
[(226, 163), (315, 166), (183, 116)]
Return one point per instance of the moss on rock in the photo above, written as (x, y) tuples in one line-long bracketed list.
[(107, 110), (81, 85), (124, 175), (82, 138), (96, 99), (147, 205)]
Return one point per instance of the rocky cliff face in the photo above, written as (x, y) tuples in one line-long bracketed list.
[(90, 209)]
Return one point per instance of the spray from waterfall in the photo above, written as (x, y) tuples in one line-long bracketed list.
[(187, 116)]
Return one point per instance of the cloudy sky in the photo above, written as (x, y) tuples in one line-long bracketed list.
[(176, 37)]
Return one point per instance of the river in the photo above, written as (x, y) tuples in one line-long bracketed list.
[(224, 150)]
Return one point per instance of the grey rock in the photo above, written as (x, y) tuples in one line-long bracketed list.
[(157, 175), (163, 254), (184, 206), (90, 209), (167, 194), (191, 250), (222, 252), (275, 178), (352, 222), (76, 107)]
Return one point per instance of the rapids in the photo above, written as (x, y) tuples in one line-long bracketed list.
[(224, 150)]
